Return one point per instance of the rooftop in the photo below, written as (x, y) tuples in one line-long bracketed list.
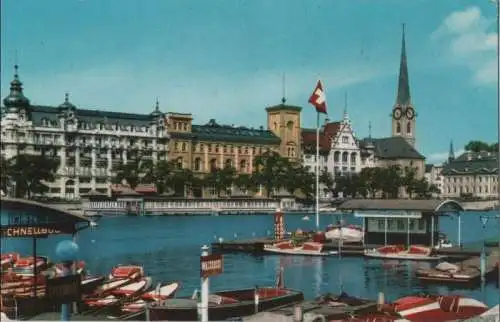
[(392, 148), (428, 205)]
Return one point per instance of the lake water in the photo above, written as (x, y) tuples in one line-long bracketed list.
[(169, 249)]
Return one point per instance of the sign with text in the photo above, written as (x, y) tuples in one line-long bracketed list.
[(35, 230), (211, 265), (65, 289)]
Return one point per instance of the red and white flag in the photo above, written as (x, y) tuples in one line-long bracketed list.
[(318, 98)]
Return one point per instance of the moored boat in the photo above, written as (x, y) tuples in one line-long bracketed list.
[(438, 308), (79, 267), (127, 271), (8, 259), (162, 292), (492, 315), (25, 265), (349, 233), (133, 288), (306, 249), (413, 253), (225, 305)]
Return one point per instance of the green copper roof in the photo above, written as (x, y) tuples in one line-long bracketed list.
[(284, 106), (392, 148), (92, 118), (403, 98), (470, 163), (212, 131)]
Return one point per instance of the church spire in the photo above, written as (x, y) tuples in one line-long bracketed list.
[(346, 115), (451, 154), (403, 98)]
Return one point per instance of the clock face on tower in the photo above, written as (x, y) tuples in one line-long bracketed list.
[(397, 113), (410, 113)]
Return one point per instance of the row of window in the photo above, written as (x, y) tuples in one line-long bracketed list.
[(199, 164), (480, 189), (408, 127), (216, 148), (492, 178)]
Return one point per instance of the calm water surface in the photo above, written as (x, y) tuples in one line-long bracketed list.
[(169, 249)]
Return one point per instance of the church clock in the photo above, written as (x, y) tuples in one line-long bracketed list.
[(397, 113), (410, 113)]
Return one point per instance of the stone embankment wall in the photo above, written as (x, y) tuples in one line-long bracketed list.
[(479, 205)]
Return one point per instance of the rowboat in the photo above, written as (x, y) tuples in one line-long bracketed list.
[(224, 305), (413, 253), (307, 249), (127, 271), (159, 294), (119, 293), (8, 259), (25, 265), (438, 308), (350, 233)]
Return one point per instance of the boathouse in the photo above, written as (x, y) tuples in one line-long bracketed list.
[(401, 221)]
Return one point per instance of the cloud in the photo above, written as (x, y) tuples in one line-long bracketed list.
[(465, 40), (440, 157), (231, 98)]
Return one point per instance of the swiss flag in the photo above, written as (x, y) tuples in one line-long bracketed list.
[(318, 98)]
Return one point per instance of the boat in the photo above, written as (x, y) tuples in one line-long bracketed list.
[(80, 268), (162, 292), (91, 283), (398, 252), (111, 285), (9, 259), (24, 266), (133, 288), (127, 271), (438, 308), (120, 293), (224, 305), (306, 218), (350, 233), (307, 249)]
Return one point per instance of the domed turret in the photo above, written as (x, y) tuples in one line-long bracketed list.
[(66, 105), (16, 98)]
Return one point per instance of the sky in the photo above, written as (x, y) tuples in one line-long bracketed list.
[(229, 59)]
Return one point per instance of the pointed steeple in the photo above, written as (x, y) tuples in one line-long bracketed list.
[(156, 111), (451, 154), (403, 97), (369, 142), (16, 98), (346, 115)]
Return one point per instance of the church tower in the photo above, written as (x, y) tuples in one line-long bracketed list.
[(403, 112)]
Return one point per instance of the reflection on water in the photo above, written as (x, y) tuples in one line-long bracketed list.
[(169, 249)]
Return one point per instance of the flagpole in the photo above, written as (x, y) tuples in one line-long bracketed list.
[(317, 171)]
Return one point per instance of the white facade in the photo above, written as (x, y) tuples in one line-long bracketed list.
[(88, 143), (434, 175)]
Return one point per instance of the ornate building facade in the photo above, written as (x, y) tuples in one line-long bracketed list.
[(203, 148), (88, 143), (470, 175)]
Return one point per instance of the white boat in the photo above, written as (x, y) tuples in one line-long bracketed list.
[(112, 284), (306, 218), (133, 288), (307, 249), (160, 293), (349, 233), (413, 253)]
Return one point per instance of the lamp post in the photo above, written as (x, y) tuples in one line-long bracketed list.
[(66, 251)]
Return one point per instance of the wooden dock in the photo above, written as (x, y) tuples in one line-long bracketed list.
[(468, 273), (256, 246)]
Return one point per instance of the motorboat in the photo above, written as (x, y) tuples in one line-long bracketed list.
[(225, 305), (78, 266), (127, 271), (438, 308), (306, 249), (112, 284), (413, 253), (161, 293), (25, 266), (91, 283)]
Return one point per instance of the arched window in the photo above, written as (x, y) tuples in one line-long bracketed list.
[(345, 156), (291, 150), (184, 146), (243, 165), (353, 158), (213, 164), (197, 164), (336, 156), (180, 162), (275, 126), (398, 127), (228, 163), (289, 125), (408, 127)]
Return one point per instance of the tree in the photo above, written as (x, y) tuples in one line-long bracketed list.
[(270, 170), (390, 179), (409, 180), (28, 173), (298, 178), (132, 172), (425, 190), (480, 146), (244, 182), (326, 179), (221, 179)]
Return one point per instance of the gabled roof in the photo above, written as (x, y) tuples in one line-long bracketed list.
[(326, 135), (212, 131), (393, 148)]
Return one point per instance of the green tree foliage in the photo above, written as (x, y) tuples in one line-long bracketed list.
[(27, 174), (480, 146)]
